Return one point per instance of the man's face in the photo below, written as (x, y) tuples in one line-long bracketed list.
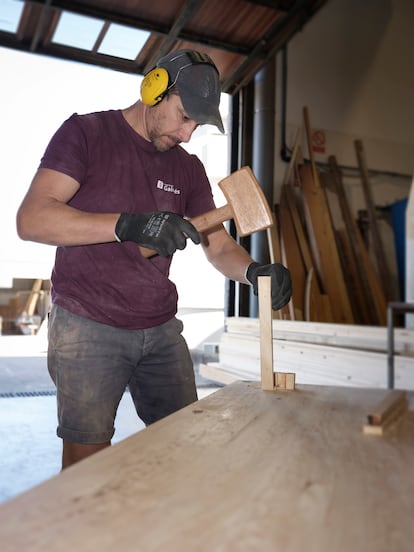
[(168, 124)]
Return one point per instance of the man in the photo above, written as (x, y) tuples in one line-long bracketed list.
[(108, 183)]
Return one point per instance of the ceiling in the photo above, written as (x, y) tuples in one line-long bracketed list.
[(239, 35)]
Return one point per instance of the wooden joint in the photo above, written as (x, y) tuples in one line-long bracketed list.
[(284, 380)]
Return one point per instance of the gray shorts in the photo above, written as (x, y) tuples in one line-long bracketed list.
[(92, 364)]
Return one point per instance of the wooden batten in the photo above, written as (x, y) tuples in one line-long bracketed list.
[(293, 258), (378, 248), (275, 254), (316, 304), (30, 306), (370, 295), (308, 131), (350, 269), (266, 329), (324, 248), (387, 414), (322, 238)]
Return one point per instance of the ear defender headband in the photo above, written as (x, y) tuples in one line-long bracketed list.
[(157, 82)]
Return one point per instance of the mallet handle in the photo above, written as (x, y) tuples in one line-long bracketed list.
[(202, 223)]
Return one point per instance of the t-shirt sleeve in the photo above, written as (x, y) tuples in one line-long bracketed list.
[(201, 199), (67, 150)]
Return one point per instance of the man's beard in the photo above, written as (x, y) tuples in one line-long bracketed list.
[(164, 142)]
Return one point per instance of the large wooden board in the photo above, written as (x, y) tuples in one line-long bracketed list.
[(377, 244), (324, 247), (293, 258), (242, 470), (316, 305), (371, 297)]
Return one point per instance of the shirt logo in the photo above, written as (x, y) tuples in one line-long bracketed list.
[(167, 188)]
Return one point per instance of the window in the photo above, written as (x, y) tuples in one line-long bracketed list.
[(10, 15), (123, 42)]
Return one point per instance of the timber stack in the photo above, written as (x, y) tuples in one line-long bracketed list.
[(339, 274), (24, 306), (319, 353)]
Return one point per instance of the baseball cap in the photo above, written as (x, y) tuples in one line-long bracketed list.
[(198, 82)]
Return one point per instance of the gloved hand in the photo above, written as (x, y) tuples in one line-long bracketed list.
[(162, 231), (281, 284)]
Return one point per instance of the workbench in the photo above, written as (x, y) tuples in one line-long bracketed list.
[(241, 470)]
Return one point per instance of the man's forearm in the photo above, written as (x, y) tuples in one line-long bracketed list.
[(61, 225), (232, 261)]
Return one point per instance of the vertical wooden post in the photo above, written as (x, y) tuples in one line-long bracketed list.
[(377, 245), (308, 129), (31, 302), (266, 333)]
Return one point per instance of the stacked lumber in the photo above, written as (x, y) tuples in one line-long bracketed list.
[(24, 305), (335, 277), (318, 353)]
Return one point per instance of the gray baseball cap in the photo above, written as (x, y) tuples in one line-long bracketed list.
[(198, 82)]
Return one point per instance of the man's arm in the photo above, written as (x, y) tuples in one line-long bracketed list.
[(234, 262), (45, 217), (227, 256)]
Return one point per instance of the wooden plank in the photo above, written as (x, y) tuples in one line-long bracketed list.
[(284, 380), (292, 257), (374, 295), (315, 363), (241, 470), (266, 342), (213, 372), (33, 298), (294, 157), (308, 130), (273, 240), (378, 247), (289, 196), (387, 413), (323, 244), (316, 304), (385, 409), (373, 338), (362, 315)]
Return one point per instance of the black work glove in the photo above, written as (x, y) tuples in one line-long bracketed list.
[(281, 284), (162, 231)]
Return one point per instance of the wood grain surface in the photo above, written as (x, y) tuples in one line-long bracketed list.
[(241, 470)]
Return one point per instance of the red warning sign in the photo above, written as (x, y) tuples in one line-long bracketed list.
[(318, 141)]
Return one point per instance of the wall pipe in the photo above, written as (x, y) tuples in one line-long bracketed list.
[(263, 157)]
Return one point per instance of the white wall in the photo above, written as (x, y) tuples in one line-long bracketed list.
[(352, 66)]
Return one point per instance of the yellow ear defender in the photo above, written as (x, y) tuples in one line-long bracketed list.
[(154, 86)]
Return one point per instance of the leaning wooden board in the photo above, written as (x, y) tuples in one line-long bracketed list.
[(241, 470)]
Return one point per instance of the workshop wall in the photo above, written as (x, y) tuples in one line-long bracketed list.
[(351, 66)]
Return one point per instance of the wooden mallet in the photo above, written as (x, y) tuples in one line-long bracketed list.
[(246, 205)]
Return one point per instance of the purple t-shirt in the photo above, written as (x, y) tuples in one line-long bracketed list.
[(119, 171)]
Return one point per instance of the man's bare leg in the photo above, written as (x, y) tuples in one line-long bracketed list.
[(74, 452)]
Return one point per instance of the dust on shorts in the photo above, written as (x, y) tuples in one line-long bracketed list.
[(92, 364)]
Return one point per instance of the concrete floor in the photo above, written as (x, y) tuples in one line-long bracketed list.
[(30, 452)]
